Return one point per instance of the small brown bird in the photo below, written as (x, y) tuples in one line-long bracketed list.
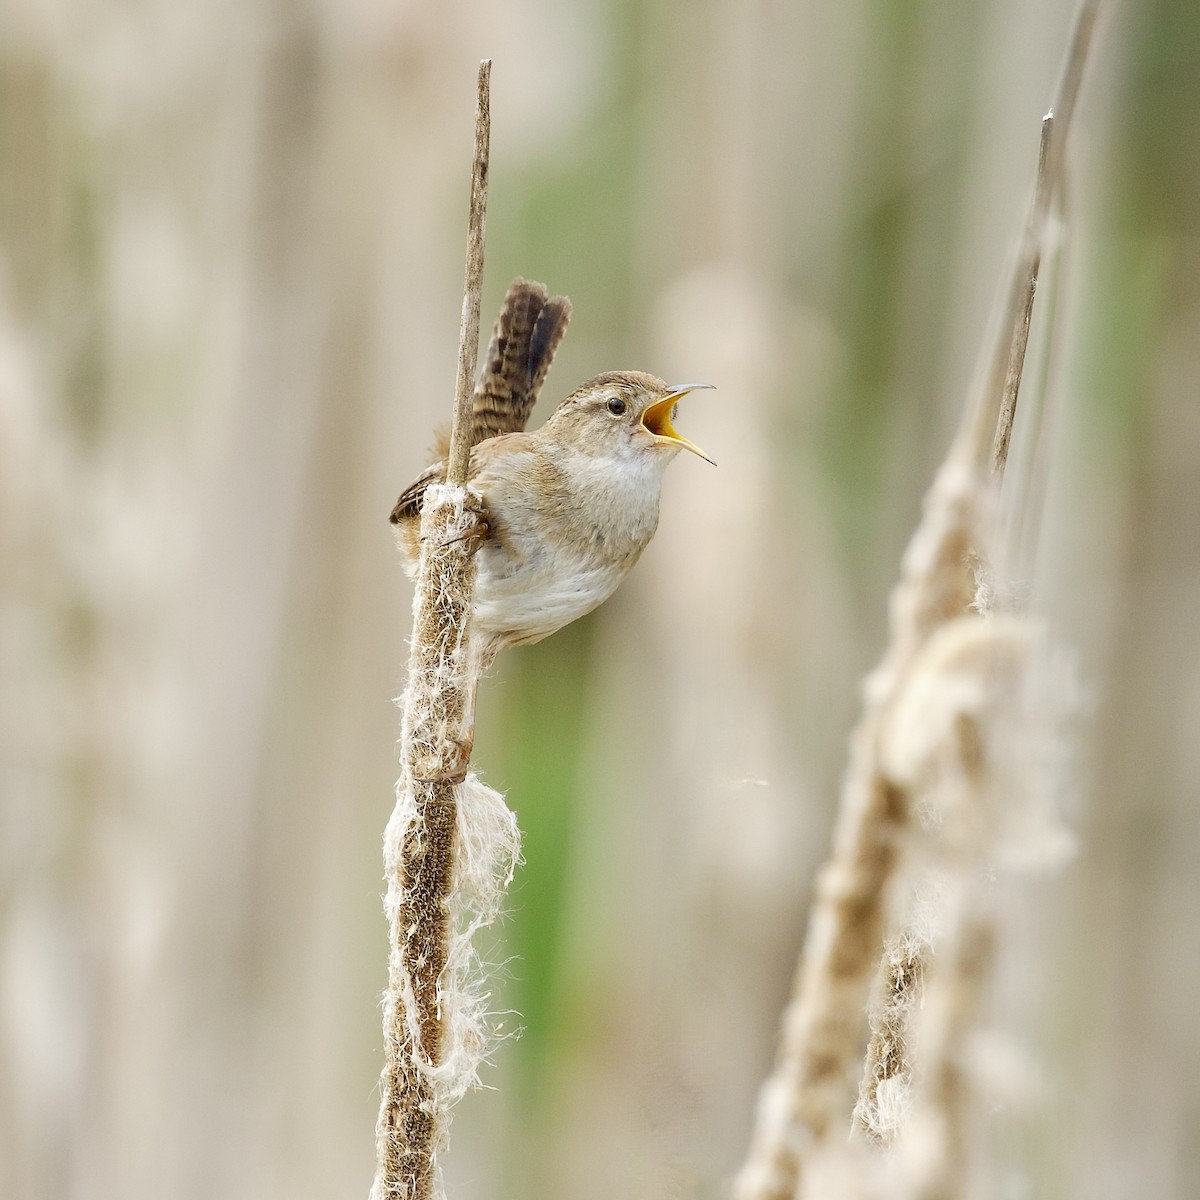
[(568, 508)]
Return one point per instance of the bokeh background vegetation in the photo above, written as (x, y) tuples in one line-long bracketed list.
[(230, 258)]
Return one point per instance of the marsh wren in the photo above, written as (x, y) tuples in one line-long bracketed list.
[(569, 508)]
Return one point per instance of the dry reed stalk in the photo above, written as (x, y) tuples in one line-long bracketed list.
[(451, 844), (884, 1096), (801, 1109)]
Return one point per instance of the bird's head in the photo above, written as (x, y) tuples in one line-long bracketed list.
[(625, 414)]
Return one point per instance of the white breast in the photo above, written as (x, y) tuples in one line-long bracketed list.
[(536, 584), (540, 597)]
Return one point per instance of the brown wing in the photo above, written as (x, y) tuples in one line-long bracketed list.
[(527, 332), (409, 504)]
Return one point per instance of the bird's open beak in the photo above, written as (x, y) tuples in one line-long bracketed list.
[(656, 419)]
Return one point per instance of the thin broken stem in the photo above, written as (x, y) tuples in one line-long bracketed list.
[(1018, 520), (989, 423), (1023, 297), (468, 330)]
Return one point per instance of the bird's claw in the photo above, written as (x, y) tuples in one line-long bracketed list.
[(479, 532), (455, 772)]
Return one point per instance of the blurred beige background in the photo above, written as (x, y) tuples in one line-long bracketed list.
[(231, 242)]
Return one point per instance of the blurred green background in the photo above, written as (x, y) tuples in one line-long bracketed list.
[(231, 242)]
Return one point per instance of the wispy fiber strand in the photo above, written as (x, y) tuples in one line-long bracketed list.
[(961, 745)]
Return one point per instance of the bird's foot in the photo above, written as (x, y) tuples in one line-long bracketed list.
[(479, 532), (455, 772)]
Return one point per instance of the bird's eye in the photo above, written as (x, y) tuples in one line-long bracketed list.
[(617, 406)]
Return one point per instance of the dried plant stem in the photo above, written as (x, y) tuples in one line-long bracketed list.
[(1022, 308), (906, 958), (1016, 547), (930, 1120), (999, 408), (468, 330), (420, 849), (802, 1106)]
